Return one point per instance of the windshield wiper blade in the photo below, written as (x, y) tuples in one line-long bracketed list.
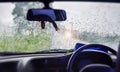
[(55, 51), (40, 52), (10, 53)]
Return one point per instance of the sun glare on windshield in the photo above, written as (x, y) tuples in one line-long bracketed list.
[(68, 34)]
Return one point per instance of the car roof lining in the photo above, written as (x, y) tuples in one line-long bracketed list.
[(116, 1)]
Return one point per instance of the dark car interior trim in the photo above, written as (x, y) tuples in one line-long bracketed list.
[(59, 0)]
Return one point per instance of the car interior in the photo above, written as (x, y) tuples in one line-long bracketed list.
[(85, 58)]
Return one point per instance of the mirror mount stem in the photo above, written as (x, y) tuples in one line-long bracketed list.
[(43, 24), (55, 25), (47, 5)]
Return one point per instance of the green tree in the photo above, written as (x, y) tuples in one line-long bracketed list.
[(20, 11)]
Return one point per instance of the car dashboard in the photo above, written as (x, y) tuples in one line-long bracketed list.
[(54, 62)]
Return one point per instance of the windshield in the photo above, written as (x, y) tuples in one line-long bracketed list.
[(87, 22)]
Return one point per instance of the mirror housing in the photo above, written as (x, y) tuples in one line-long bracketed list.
[(46, 15)]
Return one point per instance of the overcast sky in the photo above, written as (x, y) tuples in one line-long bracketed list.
[(6, 13), (89, 14), (93, 16), (99, 17)]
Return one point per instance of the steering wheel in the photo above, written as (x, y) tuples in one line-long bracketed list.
[(75, 55)]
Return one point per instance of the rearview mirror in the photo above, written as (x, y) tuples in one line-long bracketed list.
[(46, 15)]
